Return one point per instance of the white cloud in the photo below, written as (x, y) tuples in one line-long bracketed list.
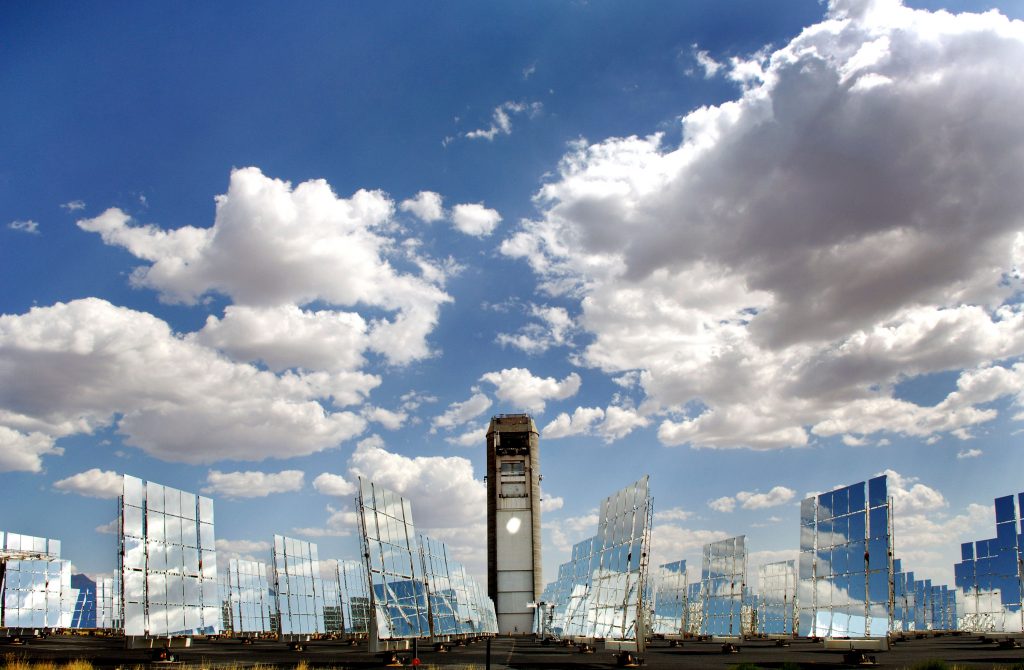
[(112, 527), (24, 451), (570, 530), (458, 413), (672, 514), (909, 495), (273, 249), (74, 205), (501, 119), (474, 437), (475, 219), (811, 244), (389, 419), (929, 541), (340, 523), (76, 367), (426, 206), (518, 387), (723, 504), (969, 453), (549, 503), (285, 336), (580, 423), (611, 424), (252, 484), (25, 226), (555, 329), (334, 485), (94, 483), (708, 64), (779, 495)]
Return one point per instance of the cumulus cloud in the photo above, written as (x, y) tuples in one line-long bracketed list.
[(475, 436), (779, 495), (389, 419), (340, 523), (252, 484), (76, 367), (672, 514), (553, 328), (73, 205), (909, 495), (426, 206), (834, 230), (458, 413), (707, 64), (286, 336), (501, 119), (94, 483), (333, 485), (24, 450), (723, 504), (568, 531), (25, 226), (112, 527), (273, 249), (549, 503), (610, 424), (969, 453), (475, 219), (520, 388)]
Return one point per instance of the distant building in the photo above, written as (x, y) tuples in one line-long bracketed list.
[(514, 577)]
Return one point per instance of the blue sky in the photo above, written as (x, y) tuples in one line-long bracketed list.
[(754, 250)]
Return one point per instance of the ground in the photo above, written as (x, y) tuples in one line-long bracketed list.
[(521, 653)]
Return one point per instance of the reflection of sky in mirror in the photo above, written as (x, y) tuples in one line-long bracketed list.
[(988, 581)]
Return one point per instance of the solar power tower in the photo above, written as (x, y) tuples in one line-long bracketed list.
[(513, 520)]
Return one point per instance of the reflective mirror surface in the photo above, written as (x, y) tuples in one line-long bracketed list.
[(723, 582), (298, 587), (599, 592), (249, 596), (670, 607), (398, 591), (845, 563), (776, 611), (988, 579), (167, 563)]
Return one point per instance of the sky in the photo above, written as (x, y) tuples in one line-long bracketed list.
[(754, 250)]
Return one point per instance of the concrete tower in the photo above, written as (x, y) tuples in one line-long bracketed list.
[(513, 520)]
